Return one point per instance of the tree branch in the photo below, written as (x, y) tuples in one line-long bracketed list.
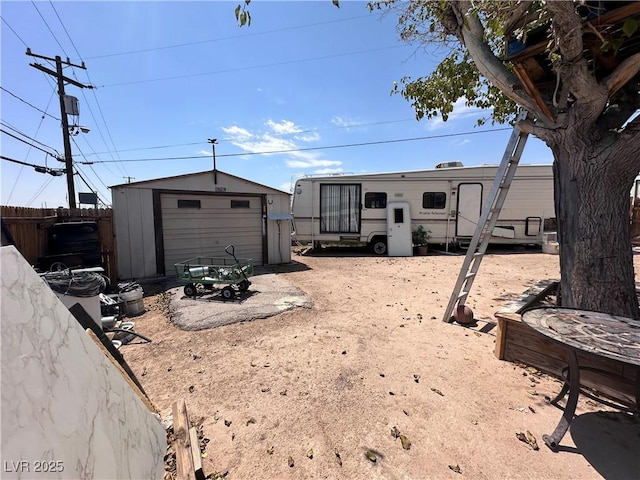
[(470, 32), (573, 67), (628, 69)]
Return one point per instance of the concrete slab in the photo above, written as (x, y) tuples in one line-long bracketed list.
[(268, 295)]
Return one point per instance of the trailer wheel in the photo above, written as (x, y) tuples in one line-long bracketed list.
[(190, 290), (379, 246), (243, 286), (228, 293)]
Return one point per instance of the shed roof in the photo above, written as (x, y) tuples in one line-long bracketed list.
[(197, 174)]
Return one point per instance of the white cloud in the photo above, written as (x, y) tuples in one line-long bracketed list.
[(237, 132), (204, 152), (284, 127), (264, 143), (343, 122), (328, 171), (312, 162), (308, 137)]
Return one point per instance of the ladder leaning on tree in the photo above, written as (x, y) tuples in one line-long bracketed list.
[(488, 218)]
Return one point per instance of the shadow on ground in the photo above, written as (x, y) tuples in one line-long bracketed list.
[(610, 442)]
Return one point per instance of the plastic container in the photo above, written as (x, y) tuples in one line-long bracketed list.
[(133, 303)]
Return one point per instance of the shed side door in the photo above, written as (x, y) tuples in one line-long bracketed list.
[(203, 225)]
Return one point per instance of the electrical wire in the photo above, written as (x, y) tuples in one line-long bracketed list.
[(49, 28), (252, 67), (65, 28), (6, 124), (32, 106), (78, 284), (122, 169), (14, 32), (40, 191), (233, 37), (328, 147), (90, 166), (30, 144)]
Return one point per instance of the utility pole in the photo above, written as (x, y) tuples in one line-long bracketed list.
[(129, 179), (68, 159), (213, 142)]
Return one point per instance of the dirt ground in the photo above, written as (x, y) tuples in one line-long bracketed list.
[(308, 392)]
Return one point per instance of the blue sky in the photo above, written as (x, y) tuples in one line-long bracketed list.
[(170, 75)]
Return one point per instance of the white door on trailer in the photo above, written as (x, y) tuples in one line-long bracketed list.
[(203, 225), (469, 207), (399, 229)]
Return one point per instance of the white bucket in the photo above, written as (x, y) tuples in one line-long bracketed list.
[(133, 303)]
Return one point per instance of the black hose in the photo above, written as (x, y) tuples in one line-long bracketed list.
[(81, 284)]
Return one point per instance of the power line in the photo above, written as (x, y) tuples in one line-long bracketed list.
[(49, 28), (40, 191), (30, 144), (233, 37), (32, 106), (56, 172), (274, 134), (90, 166), (253, 67), (14, 32), (6, 124), (329, 147), (82, 91), (65, 29)]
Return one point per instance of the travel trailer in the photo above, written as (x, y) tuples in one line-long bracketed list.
[(382, 210)]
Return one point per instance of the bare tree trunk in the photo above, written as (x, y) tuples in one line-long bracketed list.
[(592, 188)]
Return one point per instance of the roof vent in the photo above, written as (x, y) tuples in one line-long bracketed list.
[(449, 165)]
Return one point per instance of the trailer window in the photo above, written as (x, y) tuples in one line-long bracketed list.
[(375, 200), (340, 208), (435, 200)]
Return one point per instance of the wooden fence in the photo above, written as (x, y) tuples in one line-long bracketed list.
[(29, 228)]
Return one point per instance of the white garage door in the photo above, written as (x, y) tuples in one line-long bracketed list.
[(203, 225)]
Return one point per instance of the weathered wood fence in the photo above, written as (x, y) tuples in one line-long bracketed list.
[(29, 228)]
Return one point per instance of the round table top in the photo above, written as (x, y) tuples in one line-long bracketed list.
[(599, 333)]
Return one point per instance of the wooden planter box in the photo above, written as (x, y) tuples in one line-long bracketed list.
[(516, 342)]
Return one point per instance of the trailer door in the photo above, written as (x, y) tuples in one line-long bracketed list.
[(469, 207), (399, 229)]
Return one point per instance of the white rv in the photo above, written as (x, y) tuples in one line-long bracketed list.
[(382, 209)]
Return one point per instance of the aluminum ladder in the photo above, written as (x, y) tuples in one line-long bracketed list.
[(488, 218)]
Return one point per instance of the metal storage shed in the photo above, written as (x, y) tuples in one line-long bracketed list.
[(164, 221)]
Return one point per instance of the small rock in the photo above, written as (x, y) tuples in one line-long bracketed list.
[(290, 461), (437, 391), (406, 443), (251, 420), (395, 433), (455, 468), (270, 450), (344, 352), (416, 377), (371, 456), (310, 454), (338, 459), (191, 389), (283, 392), (227, 423)]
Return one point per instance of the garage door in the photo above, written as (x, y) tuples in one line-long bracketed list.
[(203, 225)]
